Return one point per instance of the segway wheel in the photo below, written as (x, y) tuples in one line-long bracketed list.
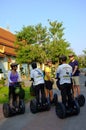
[(76, 107), (60, 110), (6, 110), (22, 107), (33, 106), (81, 100), (55, 99)]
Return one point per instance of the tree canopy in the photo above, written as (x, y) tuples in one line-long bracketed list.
[(38, 43)]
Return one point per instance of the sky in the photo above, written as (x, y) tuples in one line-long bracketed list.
[(14, 14)]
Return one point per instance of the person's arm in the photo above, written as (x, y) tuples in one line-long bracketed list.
[(9, 80), (57, 76), (31, 76), (75, 68), (57, 73)]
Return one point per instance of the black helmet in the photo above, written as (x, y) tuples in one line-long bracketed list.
[(34, 65)]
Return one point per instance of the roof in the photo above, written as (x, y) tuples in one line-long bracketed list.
[(7, 35), (7, 40)]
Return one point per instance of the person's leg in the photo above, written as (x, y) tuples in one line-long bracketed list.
[(17, 103), (37, 92), (74, 91), (64, 94), (50, 87), (78, 89), (51, 95), (11, 96), (46, 92), (43, 97), (69, 94), (76, 86), (49, 90), (46, 89)]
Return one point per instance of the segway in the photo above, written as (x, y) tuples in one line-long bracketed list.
[(7, 110), (70, 110), (81, 100), (35, 108), (63, 112)]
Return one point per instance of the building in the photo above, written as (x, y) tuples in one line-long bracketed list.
[(8, 53), (7, 50)]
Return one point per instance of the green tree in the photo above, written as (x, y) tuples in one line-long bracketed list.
[(82, 60), (58, 45), (29, 40), (38, 43)]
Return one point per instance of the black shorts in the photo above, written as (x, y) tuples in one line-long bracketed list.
[(48, 85)]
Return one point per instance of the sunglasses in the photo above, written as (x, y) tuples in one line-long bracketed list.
[(15, 66)]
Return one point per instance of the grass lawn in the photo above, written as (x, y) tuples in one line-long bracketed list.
[(4, 94)]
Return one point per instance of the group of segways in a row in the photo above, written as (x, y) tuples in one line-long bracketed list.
[(60, 109), (19, 91)]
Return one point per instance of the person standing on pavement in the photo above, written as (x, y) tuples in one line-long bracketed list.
[(64, 74), (75, 75), (49, 81), (38, 82)]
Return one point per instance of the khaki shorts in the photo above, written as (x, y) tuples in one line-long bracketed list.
[(75, 80)]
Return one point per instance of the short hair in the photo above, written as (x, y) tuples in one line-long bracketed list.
[(34, 65), (63, 58)]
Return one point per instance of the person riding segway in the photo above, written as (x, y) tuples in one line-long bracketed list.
[(39, 103), (69, 106), (16, 93)]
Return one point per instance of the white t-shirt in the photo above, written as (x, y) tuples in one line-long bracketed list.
[(37, 75), (64, 72)]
